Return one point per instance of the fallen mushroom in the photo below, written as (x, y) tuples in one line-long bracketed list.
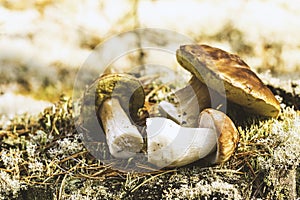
[(117, 98), (220, 70), (171, 145)]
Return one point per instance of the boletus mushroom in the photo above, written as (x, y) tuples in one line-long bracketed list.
[(171, 145), (221, 70), (117, 99)]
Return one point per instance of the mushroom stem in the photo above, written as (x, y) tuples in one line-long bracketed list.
[(192, 99), (170, 145), (123, 138)]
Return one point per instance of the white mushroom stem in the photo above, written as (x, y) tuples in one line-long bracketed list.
[(170, 145), (192, 100), (123, 138)]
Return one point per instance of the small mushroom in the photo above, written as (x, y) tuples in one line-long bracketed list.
[(171, 145), (117, 99), (220, 70)]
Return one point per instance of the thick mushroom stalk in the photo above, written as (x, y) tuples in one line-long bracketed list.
[(171, 145), (189, 105), (123, 138), (192, 99)]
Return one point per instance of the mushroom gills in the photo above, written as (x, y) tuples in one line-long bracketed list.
[(170, 145), (123, 138)]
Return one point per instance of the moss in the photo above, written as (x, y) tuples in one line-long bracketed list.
[(46, 154)]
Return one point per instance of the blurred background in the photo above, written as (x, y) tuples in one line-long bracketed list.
[(43, 43)]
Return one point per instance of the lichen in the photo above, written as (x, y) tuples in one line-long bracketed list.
[(47, 152)]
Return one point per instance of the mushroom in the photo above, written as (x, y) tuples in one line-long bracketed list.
[(171, 145), (220, 70), (115, 98)]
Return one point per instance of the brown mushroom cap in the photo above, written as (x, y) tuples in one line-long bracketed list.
[(126, 88), (222, 71), (226, 132)]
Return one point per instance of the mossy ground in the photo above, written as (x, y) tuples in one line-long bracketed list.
[(43, 157)]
